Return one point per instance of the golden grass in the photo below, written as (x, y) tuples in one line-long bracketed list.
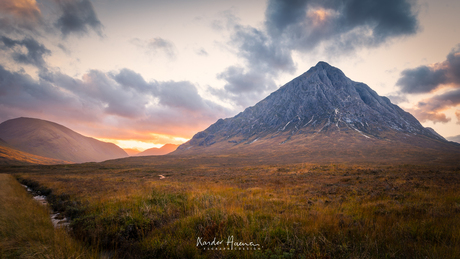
[(26, 230), (292, 211)]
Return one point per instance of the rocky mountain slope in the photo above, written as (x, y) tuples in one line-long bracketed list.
[(322, 109), (51, 140)]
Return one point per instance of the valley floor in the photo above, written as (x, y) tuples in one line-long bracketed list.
[(264, 211)]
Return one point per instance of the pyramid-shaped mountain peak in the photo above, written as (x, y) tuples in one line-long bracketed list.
[(324, 67), (322, 103)]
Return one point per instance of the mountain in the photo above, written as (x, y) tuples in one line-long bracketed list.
[(51, 140), (435, 133), (320, 114), (165, 149)]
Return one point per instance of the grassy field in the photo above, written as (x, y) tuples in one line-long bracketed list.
[(26, 230), (271, 211)]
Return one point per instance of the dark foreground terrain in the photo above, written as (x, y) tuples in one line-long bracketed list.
[(172, 207)]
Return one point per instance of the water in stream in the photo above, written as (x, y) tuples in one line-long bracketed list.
[(59, 221)]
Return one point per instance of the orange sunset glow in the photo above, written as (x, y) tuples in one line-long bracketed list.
[(156, 72), (142, 145)]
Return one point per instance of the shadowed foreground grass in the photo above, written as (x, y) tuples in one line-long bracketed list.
[(288, 211), (26, 230)]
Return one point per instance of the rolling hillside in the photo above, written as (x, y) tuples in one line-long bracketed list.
[(51, 140), (11, 156)]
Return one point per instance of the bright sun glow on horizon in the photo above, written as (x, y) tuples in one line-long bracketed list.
[(141, 145)]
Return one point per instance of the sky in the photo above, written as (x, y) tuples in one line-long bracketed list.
[(143, 73)]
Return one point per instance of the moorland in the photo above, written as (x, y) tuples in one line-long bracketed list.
[(230, 207)]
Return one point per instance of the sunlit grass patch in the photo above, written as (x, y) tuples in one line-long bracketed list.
[(26, 230)]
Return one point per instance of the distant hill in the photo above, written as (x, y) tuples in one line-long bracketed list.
[(454, 138), (11, 156), (166, 149), (51, 140)]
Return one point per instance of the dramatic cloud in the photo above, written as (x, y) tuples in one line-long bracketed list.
[(107, 100), (345, 24), (181, 95), (132, 80), (425, 79), (33, 53), (261, 52), (335, 26), (240, 81), (281, 14), (19, 14), (264, 61), (78, 16), (162, 45), (22, 94), (243, 87), (432, 108), (25, 17), (422, 79)]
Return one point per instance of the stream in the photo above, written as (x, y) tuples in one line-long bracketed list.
[(59, 221)]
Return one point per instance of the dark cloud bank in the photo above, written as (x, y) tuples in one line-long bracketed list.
[(339, 26), (17, 16), (23, 17), (33, 56), (98, 98), (427, 79), (164, 107), (77, 17)]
